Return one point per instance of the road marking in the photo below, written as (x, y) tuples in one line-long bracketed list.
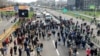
[(56, 49), (53, 43), (57, 52)]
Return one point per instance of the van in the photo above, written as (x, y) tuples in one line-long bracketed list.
[(48, 17), (38, 15)]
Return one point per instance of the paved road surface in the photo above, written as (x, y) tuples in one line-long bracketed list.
[(75, 20), (50, 50), (5, 24)]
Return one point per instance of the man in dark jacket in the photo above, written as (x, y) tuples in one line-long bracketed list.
[(28, 51), (15, 49), (55, 44), (20, 51)]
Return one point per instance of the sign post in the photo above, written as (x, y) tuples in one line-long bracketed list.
[(64, 10)]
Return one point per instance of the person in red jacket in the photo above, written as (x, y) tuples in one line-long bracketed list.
[(88, 51)]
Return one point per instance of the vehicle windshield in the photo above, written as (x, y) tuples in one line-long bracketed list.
[(48, 16)]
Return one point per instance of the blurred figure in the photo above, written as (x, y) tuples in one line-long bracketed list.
[(70, 52), (11, 51), (15, 49), (28, 51), (38, 50), (95, 51), (56, 44), (88, 52), (20, 51)]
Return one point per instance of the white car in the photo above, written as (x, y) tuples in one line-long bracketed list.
[(48, 16), (38, 15)]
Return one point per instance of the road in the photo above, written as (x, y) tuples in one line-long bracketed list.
[(97, 39), (6, 24), (49, 46), (50, 50)]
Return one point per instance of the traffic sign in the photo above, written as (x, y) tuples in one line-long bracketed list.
[(64, 10), (92, 7)]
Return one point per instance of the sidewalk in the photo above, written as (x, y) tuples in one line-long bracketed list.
[(9, 28), (7, 33), (6, 24)]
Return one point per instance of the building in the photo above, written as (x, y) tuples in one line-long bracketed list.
[(46, 2), (79, 4), (85, 4), (61, 3), (88, 3), (71, 4)]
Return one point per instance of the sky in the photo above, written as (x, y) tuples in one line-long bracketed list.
[(27, 1)]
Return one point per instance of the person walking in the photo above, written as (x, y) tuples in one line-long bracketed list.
[(56, 44), (95, 51), (28, 51), (20, 51), (70, 52), (88, 52), (38, 50), (11, 51), (15, 49), (53, 32), (41, 46), (2, 51), (64, 40), (58, 34), (59, 40), (43, 35)]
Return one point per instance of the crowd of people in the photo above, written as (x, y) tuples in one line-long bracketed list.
[(78, 36), (73, 34), (25, 38)]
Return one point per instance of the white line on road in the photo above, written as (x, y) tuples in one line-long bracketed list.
[(57, 52), (56, 49), (53, 43)]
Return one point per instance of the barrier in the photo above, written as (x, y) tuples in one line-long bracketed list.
[(7, 33)]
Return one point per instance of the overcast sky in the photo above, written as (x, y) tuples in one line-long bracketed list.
[(26, 1)]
